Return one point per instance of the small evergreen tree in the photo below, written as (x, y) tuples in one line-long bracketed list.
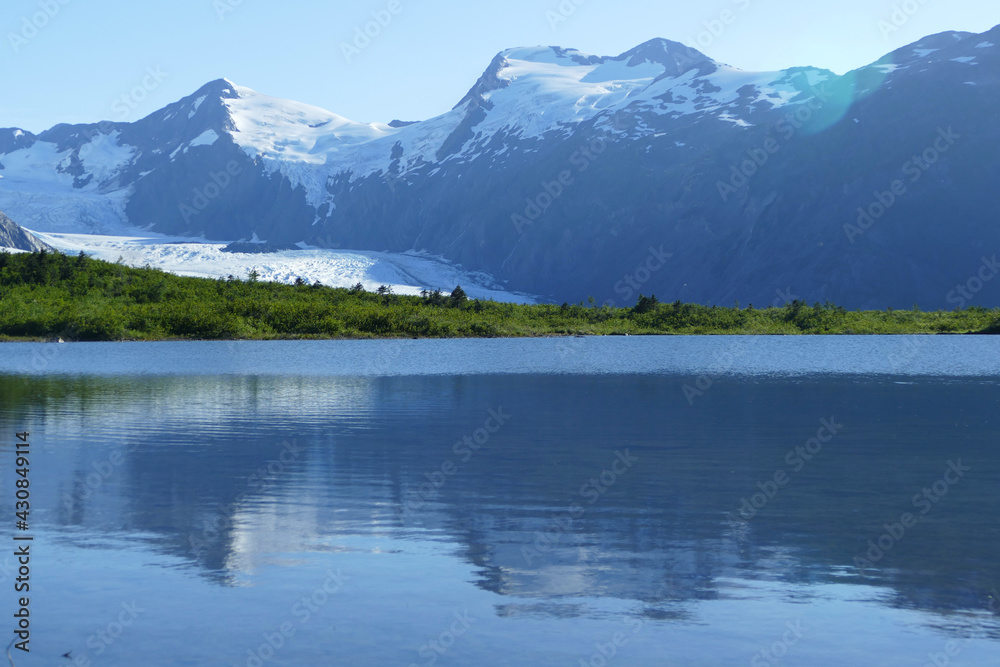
[(458, 297), (645, 304)]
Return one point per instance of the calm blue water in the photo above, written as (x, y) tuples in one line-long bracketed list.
[(598, 501)]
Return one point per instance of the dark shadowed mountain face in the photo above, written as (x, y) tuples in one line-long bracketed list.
[(569, 175), (13, 236)]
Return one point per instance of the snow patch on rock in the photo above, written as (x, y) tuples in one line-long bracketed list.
[(206, 138)]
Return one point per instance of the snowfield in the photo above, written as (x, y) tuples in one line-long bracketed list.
[(405, 273)]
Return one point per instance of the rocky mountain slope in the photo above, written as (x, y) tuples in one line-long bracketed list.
[(13, 236)]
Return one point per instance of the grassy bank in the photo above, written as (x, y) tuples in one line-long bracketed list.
[(44, 296)]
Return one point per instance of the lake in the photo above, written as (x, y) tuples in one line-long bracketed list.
[(580, 502)]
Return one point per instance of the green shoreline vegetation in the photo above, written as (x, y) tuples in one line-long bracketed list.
[(45, 296)]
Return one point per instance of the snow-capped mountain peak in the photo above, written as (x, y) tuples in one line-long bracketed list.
[(270, 127), (674, 56)]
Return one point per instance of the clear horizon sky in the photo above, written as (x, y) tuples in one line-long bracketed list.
[(71, 61)]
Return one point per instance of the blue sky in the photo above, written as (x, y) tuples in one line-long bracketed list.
[(73, 61)]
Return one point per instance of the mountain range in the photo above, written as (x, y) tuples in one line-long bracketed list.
[(570, 175)]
